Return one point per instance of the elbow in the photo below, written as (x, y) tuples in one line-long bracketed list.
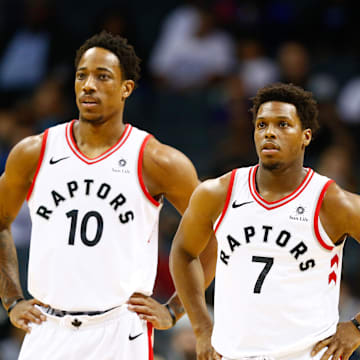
[(179, 259)]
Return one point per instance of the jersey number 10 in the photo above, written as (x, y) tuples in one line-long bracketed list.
[(73, 214)]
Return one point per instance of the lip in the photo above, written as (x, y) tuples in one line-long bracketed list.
[(269, 147), (89, 105), (89, 100)]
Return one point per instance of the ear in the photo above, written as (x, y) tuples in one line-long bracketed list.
[(307, 136), (127, 88)]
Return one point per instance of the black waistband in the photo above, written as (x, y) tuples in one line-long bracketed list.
[(62, 313)]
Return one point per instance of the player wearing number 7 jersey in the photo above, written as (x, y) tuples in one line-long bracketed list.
[(95, 187), (280, 229)]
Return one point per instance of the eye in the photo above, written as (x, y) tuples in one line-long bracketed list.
[(284, 124), (80, 76), (260, 125), (104, 76)]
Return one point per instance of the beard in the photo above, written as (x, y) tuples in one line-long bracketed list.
[(272, 166), (93, 121)]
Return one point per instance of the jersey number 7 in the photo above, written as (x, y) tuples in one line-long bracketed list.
[(268, 261)]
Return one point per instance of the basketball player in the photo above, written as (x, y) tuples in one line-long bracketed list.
[(280, 229), (95, 187)]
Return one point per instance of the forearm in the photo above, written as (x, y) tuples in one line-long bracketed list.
[(189, 280), (208, 263), (208, 260), (10, 288)]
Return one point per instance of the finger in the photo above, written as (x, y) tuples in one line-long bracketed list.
[(29, 317), (138, 296), (328, 352), (22, 324), (38, 302), (217, 356), (38, 314), (138, 301), (320, 345), (338, 355), (345, 355), (149, 318), (140, 309)]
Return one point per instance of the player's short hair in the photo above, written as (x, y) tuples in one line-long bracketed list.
[(304, 102), (118, 45)]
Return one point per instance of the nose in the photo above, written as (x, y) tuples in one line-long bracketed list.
[(89, 85), (270, 132)]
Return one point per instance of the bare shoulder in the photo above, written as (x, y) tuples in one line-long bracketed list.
[(339, 213), (216, 188), (210, 196), (167, 171), (24, 156), (162, 158), (336, 199)]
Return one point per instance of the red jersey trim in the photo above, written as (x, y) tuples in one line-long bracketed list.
[(42, 152), (74, 148), (150, 343), (270, 205), (316, 217), (227, 201), (140, 164)]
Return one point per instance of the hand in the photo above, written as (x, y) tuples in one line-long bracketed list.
[(342, 344), (150, 310), (25, 312), (204, 350)]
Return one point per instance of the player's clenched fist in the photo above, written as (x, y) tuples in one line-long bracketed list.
[(25, 313)]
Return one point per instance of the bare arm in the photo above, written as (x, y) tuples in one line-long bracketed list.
[(168, 172), (340, 216), (190, 240), (15, 183), (339, 213)]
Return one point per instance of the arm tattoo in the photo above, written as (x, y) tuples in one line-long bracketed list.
[(10, 288)]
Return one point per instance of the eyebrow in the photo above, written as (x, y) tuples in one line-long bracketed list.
[(280, 117), (99, 68)]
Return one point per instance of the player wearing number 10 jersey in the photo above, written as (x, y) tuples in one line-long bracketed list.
[(280, 229), (95, 188)]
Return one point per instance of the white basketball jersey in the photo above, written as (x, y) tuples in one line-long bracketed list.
[(278, 273), (94, 224)]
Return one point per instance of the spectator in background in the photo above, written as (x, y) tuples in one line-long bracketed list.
[(294, 61), (191, 51), (49, 104), (349, 102), (255, 68), (336, 162), (235, 144), (25, 60)]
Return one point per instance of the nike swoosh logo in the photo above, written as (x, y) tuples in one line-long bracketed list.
[(235, 205), (52, 161), (134, 337)]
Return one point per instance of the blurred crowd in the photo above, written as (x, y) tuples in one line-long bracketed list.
[(202, 61)]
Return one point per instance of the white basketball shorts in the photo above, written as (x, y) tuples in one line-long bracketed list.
[(118, 334), (298, 355)]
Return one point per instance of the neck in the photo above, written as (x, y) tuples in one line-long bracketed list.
[(282, 180), (98, 134)]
